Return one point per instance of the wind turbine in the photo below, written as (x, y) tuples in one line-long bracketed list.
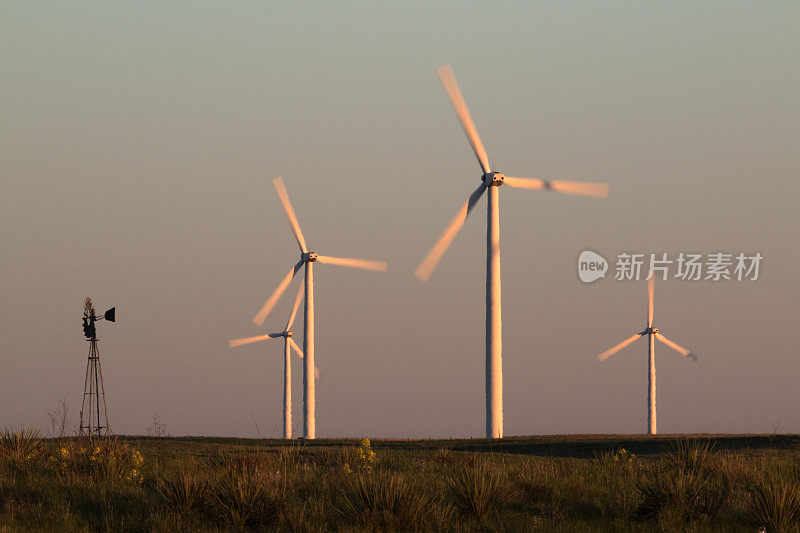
[(307, 260), (492, 181), (288, 346), (652, 334)]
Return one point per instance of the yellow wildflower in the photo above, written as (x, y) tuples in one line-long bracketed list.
[(622, 456), (366, 457), (137, 458), (133, 476)]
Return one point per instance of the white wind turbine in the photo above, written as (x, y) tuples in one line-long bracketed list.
[(491, 181), (307, 259), (652, 334), (288, 346)]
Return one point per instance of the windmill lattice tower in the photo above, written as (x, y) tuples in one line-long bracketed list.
[(94, 413)]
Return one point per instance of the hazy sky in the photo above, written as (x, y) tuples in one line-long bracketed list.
[(138, 142)]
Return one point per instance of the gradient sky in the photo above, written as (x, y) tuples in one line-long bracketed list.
[(138, 142)]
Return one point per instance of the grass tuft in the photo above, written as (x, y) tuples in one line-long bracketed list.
[(183, 492), (19, 450), (243, 496), (775, 505), (692, 456), (384, 501), (477, 491)]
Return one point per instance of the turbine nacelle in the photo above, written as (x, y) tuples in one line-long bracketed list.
[(493, 179), (649, 331), (308, 257)]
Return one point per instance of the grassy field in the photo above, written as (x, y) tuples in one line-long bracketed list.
[(549, 483)]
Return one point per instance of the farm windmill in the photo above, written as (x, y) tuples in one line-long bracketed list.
[(652, 334), (491, 181), (307, 260)]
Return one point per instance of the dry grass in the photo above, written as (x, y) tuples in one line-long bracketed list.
[(214, 484)]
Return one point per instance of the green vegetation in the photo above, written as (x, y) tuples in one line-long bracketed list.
[(598, 483)]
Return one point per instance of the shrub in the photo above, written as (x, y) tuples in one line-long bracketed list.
[(362, 460), (106, 459)]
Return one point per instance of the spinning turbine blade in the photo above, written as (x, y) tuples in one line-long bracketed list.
[(295, 347), (525, 183), (378, 266), (680, 349), (425, 268), (238, 342), (450, 85), (651, 280), (611, 351), (296, 307), (273, 299), (597, 190), (287, 207), (300, 354)]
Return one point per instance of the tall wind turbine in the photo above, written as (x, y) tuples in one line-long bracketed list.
[(652, 334), (307, 260), (288, 346), (492, 181)]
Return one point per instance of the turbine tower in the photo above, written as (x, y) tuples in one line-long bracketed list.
[(307, 260), (492, 181), (652, 334), (288, 346)]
